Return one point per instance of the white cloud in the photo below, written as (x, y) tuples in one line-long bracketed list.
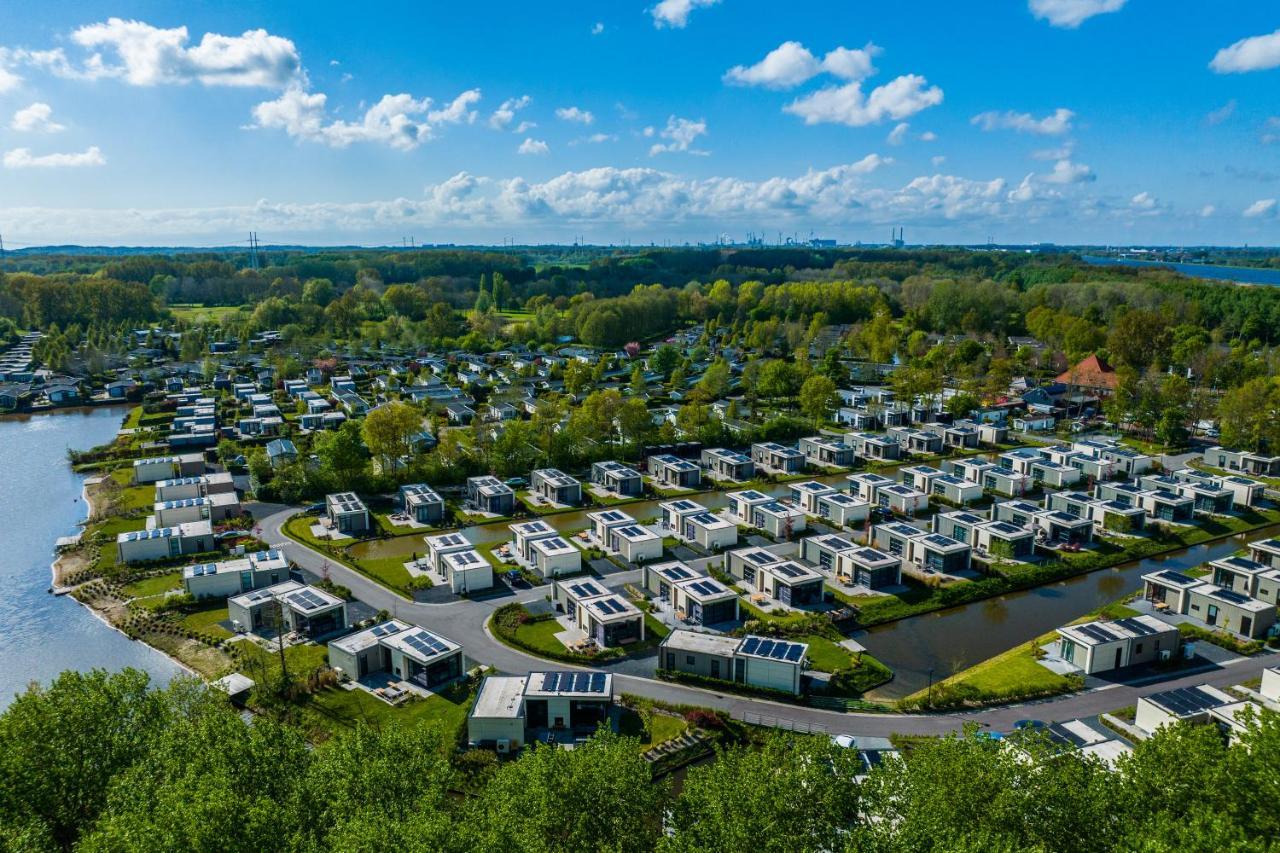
[(506, 112), (597, 138), (1221, 114), (1068, 172), (533, 146), (937, 160), (1261, 209), (680, 134), (1062, 152), (928, 136), (1207, 211), (898, 134), (597, 28), (1072, 13), (791, 63), (8, 80), (143, 55), (574, 114), (524, 126), (400, 121), (22, 158), (1256, 53), (37, 118), (898, 99), (1054, 124), (1143, 201), (675, 13)]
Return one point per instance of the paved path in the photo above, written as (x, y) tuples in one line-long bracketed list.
[(464, 622)]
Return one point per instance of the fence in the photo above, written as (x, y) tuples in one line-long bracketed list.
[(782, 723)]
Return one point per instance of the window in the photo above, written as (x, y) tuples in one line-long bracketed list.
[(1138, 649), (688, 659)]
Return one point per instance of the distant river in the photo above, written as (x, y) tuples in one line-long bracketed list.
[(1244, 275), (41, 635)]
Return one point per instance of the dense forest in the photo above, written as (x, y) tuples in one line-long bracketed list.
[(106, 762)]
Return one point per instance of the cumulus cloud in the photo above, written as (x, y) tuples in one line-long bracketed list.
[(899, 134), (143, 55), (898, 99), (1262, 209), (400, 121), (1256, 53), (533, 146), (575, 114), (680, 134), (597, 28), (791, 63), (8, 80), (506, 112), (675, 13), (1054, 124), (22, 158), (597, 138), (928, 136), (1143, 201), (1068, 172), (1072, 13), (37, 118)]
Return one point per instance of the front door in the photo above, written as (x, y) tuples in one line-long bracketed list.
[(1119, 654), (1246, 625), (1211, 617)]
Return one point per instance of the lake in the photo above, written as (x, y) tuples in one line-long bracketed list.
[(40, 500), (1243, 275)]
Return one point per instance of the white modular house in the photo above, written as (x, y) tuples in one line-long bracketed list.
[(1208, 498), (660, 578), (752, 661), (165, 543), (822, 452), (1106, 645), (604, 616), (842, 509), (901, 499), (198, 486), (1266, 551), (806, 494), (491, 495), (958, 525), (712, 532), (413, 654), (1003, 540), (169, 513), (869, 567), (466, 571), (1127, 460), (1168, 506), (289, 607), (673, 472), (775, 664), (445, 543), (1116, 517), (704, 600), (421, 503), (231, 577), (743, 504), (779, 520), (1189, 704), (1249, 577), (790, 583), (634, 543), (1072, 503), (866, 486), (916, 442), (824, 551), (555, 486), (554, 557), (1247, 492), (992, 478), (1129, 494), (621, 480), (777, 458), (873, 447), (155, 469), (919, 477), (347, 514), (895, 538), (1017, 513), (525, 533), (674, 513), (510, 709), (1253, 464), (730, 465), (744, 563), (934, 552), (1057, 527), (955, 490), (1053, 475)]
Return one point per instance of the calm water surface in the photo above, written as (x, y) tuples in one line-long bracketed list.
[(1244, 275), (40, 634)]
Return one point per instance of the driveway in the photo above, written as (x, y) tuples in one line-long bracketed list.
[(464, 622)]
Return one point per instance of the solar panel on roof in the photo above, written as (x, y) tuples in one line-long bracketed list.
[(1140, 628), (766, 648), (597, 682), (1185, 701), (1231, 596), (1097, 633), (750, 645), (794, 651), (550, 681), (581, 681)]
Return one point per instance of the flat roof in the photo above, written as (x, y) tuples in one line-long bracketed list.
[(500, 697), (1189, 701), (770, 649), (421, 645), (591, 685), (700, 643), (361, 640)]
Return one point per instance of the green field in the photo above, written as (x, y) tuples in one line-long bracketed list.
[(153, 585), (196, 313)]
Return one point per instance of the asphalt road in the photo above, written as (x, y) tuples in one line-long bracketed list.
[(464, 622)]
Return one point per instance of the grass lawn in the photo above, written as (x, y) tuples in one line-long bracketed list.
[(825, 655), (334, 708), (206, 620), (153, 585), (750, 611), (388, 571), (541, 636), (263, 665), (1008, 675), (650, 728), (196, 312)]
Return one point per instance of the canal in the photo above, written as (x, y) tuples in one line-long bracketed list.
[(951, 640), (40, 500)]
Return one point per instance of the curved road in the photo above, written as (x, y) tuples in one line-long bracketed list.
[(464, 622)]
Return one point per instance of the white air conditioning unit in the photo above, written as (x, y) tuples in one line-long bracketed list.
[(504, 745)]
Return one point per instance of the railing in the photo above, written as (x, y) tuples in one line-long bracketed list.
[(782, 723)]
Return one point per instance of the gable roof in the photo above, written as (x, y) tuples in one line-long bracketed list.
[(1091, 372)]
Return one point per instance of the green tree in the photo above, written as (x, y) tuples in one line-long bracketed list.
[(714, 383), (664, 360), (344, 459), (1248, 416), (818, 397), (388, 432)]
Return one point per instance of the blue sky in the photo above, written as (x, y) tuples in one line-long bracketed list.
[(1146, 121)]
